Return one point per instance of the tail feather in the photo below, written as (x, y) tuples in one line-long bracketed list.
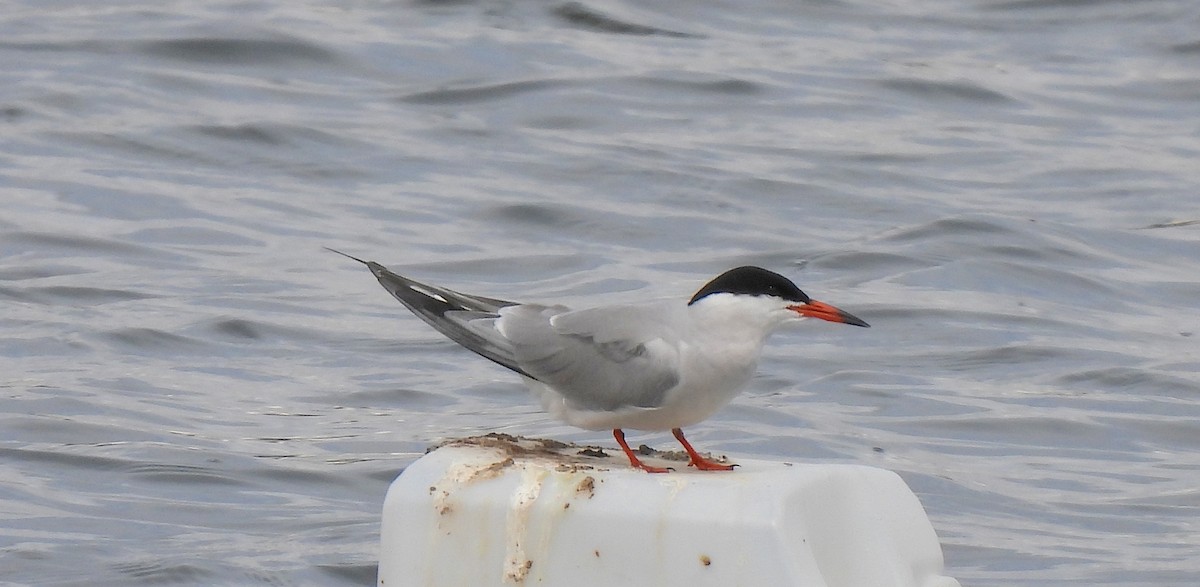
[(464, 318)]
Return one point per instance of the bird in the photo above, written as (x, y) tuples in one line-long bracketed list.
[(653, 366)]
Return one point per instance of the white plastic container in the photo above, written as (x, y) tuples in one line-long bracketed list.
[(503, 511)]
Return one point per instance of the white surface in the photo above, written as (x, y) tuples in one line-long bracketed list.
[(494, 513)]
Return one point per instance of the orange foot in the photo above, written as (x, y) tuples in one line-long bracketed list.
[(704, 464), (694, 458)]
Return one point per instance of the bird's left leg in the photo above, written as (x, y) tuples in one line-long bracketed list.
[(694, 458)]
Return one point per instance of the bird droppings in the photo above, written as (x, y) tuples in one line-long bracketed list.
[(705, 560), (587, 487), (519, 447), (441, 501), (516, 561), (566, 457), (549, 471), (676, 455), (460, 476), (518, 573)]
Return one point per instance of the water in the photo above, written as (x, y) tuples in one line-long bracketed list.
[(194, 392)]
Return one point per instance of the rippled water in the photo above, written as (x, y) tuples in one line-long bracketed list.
[(194, 392)]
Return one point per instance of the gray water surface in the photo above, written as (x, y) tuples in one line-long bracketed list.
[(194, 392)]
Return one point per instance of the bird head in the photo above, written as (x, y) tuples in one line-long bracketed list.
[(770, 293)]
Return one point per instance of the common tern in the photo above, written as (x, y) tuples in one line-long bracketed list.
[(658, 365)]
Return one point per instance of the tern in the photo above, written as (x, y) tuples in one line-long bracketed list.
[(658, 365)]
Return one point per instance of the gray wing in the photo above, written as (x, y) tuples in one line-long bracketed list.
[(464, 318), (598, 359)]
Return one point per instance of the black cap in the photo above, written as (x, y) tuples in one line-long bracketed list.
[(754, 281)]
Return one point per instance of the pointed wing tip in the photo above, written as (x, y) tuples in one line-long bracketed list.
[(348, 256)]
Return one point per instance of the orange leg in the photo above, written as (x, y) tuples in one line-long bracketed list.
[(633, 460), (695, 460)]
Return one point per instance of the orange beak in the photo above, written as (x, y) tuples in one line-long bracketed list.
[(815, 309)]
